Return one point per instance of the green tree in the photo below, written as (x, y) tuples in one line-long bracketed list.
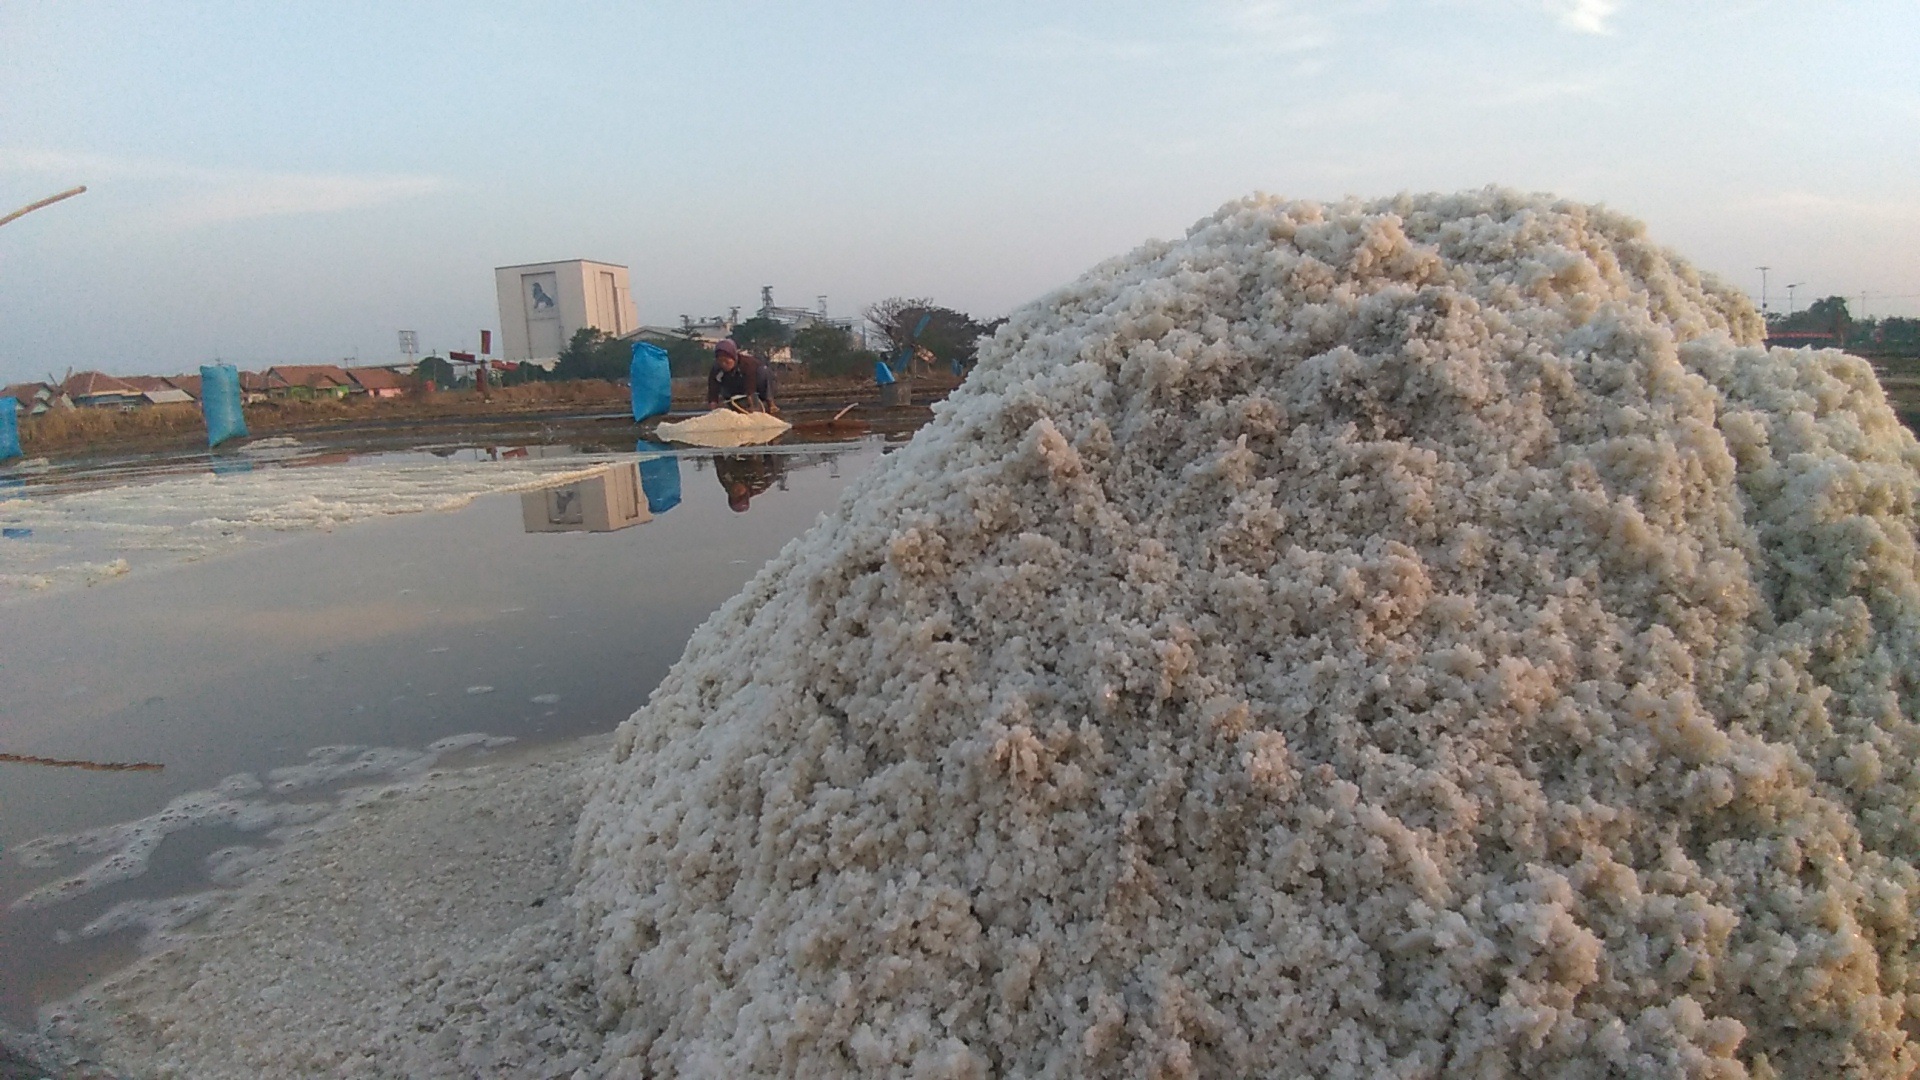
[(762, 336), (1827, 315), (831, 350), (951, 336), (593, 355), (436, 370), (821, 343), (686, 357)]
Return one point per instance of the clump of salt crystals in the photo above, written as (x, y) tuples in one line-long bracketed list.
[(1423, 637)]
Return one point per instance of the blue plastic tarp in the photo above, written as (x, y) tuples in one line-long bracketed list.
[(660, 479), (882, 374), (9, 428), (220, 403), (651, 381)]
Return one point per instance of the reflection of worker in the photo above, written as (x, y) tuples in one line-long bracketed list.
[(742, 476), (734, 375)]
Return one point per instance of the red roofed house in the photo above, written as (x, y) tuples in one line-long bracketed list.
[(158, 391), (253, 386), (34, 398), (307, 381), (379, 382), (95, 390)]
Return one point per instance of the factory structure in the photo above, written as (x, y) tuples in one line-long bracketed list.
[(714, 327), (542, 305)]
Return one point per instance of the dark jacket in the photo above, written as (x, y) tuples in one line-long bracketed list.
[(747, 377)]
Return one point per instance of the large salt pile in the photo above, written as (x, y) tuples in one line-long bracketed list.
[(1408, 638)]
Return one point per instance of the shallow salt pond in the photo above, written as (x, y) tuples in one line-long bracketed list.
[(273, 635)]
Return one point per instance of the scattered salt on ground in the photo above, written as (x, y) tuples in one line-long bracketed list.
[(420, 934), (724, 427), (1406, 638)]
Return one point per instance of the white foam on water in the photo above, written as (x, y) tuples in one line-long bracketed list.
[(86, 537), (242, 802)]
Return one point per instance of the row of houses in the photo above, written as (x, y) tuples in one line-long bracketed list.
[(97, 390)]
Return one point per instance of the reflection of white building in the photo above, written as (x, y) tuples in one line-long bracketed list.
[(542, 305), (609, 500)]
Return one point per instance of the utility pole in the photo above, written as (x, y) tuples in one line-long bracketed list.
[(1790, 289), (48, 201), (1763, 290)]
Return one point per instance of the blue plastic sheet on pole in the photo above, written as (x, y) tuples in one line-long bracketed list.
[(9, 428), (220, 403), (651, 380), (882, 374), (660, 479)]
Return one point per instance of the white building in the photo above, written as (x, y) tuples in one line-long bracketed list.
[(542, 305)]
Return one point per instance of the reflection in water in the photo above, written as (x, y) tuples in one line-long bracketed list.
[(660, 479), (608, 500), (743, 476), (630, 493), (365, 637)]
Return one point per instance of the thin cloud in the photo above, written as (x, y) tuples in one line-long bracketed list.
[(1275, 26), (1261, 28), (1055, 44), (1806, 204), (280, 194), (192, 196), (1585, 16), (1538, 92)]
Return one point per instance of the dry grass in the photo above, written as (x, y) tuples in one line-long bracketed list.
[(64, 428), (78, 429), (75, 430)]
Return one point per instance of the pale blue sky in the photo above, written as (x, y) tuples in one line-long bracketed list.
[(281, 182)]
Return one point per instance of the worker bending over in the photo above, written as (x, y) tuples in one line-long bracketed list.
[(734, 375)]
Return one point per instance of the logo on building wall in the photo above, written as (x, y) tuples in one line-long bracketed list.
[(540, 297)]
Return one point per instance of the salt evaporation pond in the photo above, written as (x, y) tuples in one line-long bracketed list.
[(365, 605)]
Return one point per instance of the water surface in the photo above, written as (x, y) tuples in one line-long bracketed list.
[(375, 639)]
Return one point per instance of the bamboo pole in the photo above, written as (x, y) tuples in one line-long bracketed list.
[(97, 766), (48, 201)]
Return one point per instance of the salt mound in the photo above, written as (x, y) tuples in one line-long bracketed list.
[(1407, 638), (724, 427)]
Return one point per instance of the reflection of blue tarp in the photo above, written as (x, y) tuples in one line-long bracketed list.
[(220, 403), (9, 428), (651, 381), (660, 479), (227, 466), (882, 374)]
